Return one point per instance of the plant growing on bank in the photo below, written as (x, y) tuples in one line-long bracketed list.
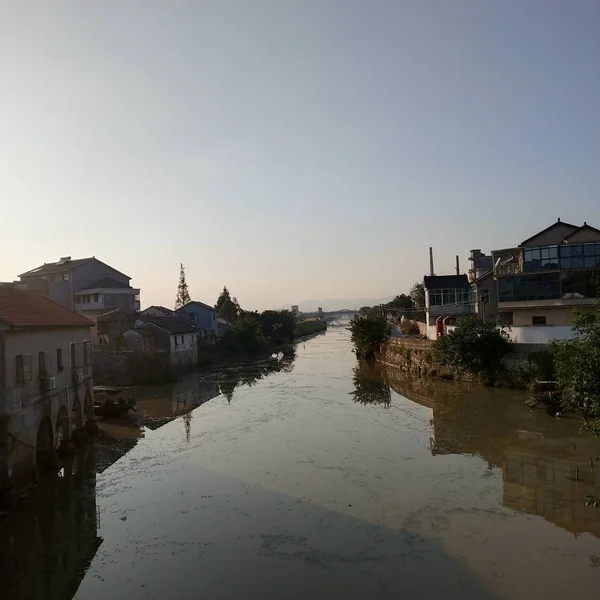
[(577, 365), (475, 346), (369, 331), (183, 293), (227, 307)]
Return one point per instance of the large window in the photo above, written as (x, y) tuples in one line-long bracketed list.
[(580, 284), (449, 297), (565, 256), (542, 286)]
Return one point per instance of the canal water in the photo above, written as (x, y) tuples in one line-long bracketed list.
[(314, 476)]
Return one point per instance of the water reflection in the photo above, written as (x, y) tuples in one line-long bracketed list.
[(369, 385), (48, 544), (250, 373), (548, 465)]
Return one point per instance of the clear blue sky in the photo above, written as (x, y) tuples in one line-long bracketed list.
[(292, 149)]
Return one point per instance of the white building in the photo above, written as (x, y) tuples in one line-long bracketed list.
[(46, 387)]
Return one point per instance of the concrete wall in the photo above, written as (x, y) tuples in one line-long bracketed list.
[(184, 349), (554, 316), (26, 406), (540, 334)]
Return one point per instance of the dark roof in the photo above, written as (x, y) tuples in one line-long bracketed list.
[(33, 311), (549, 228), (161, 308), (197, 302), (436, 282), (56, 267), (106, 282), (64, 266), (174, 324), (584, 227)]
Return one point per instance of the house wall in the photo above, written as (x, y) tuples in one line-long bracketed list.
[(458, 310), (204, 318), (489, 309), (540, 334), (554, 316), (184, 349), (25, 406)]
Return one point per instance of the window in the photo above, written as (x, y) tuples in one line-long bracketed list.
[(42, 365), (59, 361), (23, 369), (538, 320), (485, 295), (65, 277), (96, 298)]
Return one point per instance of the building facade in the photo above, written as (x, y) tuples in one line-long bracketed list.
[(46, 386), (203, 316), (174, 335), (446, 298), (541, 281), (86, 285)]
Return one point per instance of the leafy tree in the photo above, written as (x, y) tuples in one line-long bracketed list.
[(226, 307), (577, 365), (244, 336), (278, 325), (368, 333), (475, 347), (402, 303), (183, 293), (417, 294)]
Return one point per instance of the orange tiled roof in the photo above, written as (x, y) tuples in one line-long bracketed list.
[(21, 309)]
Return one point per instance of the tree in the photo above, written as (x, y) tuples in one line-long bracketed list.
[(475, 347), (226, 307), (183, 293), (368, 333), (577, 365), (417, 294), (278, 325)]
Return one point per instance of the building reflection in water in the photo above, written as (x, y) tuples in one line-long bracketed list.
[(48, 544), (548, 465)]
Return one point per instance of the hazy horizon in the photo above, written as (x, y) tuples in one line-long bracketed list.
[(292, 150)]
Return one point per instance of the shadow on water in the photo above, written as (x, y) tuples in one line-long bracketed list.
[(48, 545), (250, 541), (548, 465)]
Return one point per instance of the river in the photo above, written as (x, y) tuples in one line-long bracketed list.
[(318, 478)]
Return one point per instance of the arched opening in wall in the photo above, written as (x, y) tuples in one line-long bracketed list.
[(61, 433), (44, 445)]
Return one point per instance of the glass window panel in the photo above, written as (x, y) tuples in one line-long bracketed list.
[(589, 249), (565, 251), (577, 250), (565, 263), (553, 251), (527, 255), (545, 253), (535, 254), (577, 262), (590, 262), (449, 297)]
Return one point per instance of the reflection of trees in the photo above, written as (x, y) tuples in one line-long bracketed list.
[(369, 386), (249, 374), (187, 423)]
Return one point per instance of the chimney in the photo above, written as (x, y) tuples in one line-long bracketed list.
[(430, 260), (457, 266)]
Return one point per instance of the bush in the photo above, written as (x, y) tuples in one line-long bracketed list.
[(409, 328), (577, 364), (308, 328), (368, 333), (475, 346)]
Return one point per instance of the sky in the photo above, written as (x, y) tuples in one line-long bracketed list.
[(292, 150)]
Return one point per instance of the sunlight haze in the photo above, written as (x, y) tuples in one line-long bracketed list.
[(297, 150)]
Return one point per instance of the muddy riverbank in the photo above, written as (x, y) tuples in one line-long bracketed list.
[(326, 478)]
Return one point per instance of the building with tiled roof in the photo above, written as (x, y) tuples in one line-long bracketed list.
[(45, 380)]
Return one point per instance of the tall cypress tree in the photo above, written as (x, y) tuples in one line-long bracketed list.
[(183, 293)]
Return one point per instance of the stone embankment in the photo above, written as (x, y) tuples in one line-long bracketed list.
[(415, 356)]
